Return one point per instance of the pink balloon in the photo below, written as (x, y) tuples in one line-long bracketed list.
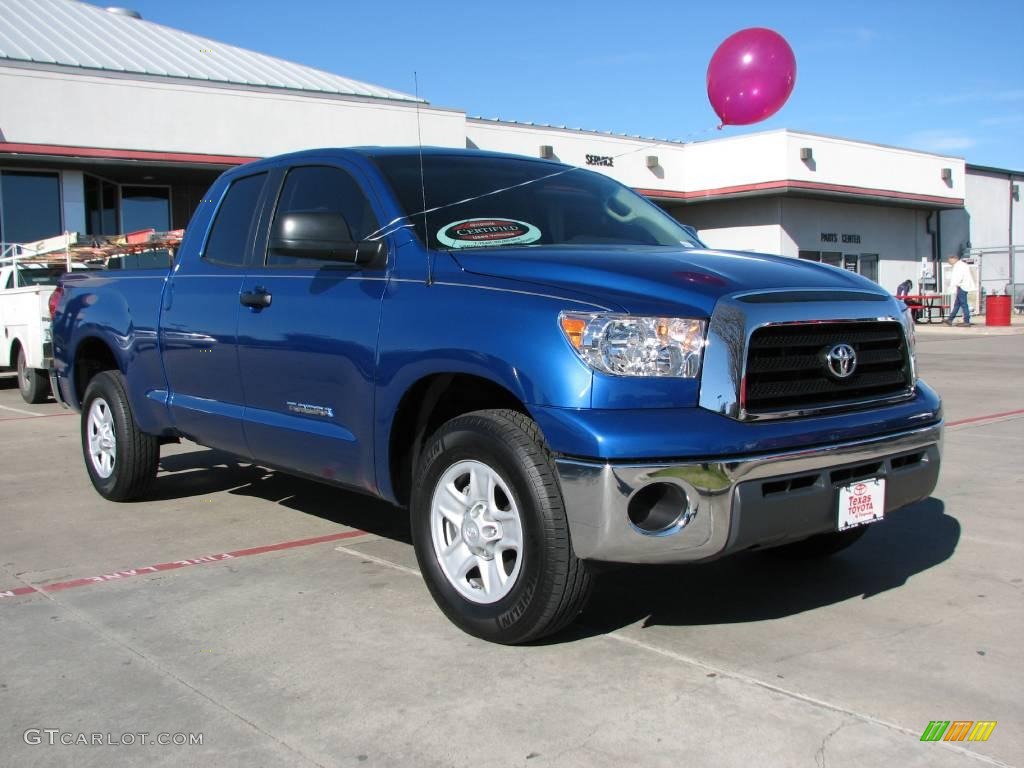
[(751, 76)]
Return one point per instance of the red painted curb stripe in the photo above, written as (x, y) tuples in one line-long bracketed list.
[(973, 419), (18, 591), (175, 564), (205, 559)]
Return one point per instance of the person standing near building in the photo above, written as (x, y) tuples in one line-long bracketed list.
[(961, 282)]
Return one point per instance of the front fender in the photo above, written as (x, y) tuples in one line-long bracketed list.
[(507, 336)]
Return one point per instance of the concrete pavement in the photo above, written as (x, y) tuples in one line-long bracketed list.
[(333, 654)]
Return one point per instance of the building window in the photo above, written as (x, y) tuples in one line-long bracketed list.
[(833, 258), (100, 206), (145, 208), (29, 206), (869, 266), (865, 264)]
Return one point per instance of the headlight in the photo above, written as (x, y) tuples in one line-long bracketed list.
[(908, 327), (624, 345)]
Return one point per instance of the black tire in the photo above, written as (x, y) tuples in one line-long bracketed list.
[(822, 545), (33, 384), (136, 454), (552, 585)]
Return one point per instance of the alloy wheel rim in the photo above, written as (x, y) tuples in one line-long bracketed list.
[(476, 531), (102, 441), (22, 373)]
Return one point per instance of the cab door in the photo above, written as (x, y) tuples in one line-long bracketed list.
[(199, 322), (307, 341)]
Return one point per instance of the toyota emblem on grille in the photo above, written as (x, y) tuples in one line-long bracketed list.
[(841, 361)]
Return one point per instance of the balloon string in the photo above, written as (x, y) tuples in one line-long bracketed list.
[(394, 225)]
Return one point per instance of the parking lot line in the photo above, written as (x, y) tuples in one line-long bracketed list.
[(19, 410), (35, 416), (711, 669), (175, 564), (378, 560)]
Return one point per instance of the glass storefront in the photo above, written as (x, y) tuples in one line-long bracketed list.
[(30, 206), (145, 207), (100, 206), (865, 264)]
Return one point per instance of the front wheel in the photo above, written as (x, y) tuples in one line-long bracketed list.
[(121, 460), (33, 384), (490, 530)]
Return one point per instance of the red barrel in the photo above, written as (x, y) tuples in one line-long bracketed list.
[(997, 310)]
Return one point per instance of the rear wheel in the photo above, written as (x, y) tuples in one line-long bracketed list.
[(822, 545), (33, 384), (490, 531), (121, 460)]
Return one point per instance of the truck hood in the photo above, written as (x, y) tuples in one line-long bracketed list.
[(654, 280)]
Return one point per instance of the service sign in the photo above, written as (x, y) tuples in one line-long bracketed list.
[(478, 233), (861, 503)]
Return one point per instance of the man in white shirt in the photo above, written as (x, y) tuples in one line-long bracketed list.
[(960, 284)]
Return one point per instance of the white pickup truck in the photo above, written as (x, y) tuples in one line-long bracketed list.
[(25, 334)]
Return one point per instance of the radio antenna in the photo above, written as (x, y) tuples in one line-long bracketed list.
[(423, 183)]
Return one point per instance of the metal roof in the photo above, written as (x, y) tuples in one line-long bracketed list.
[(76, 34)]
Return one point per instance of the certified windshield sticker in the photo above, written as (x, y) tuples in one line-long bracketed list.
[(475, 233)]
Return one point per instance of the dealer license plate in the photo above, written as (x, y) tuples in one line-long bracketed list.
[(861, 503)]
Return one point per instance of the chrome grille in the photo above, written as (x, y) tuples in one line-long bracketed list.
[(786, 368)]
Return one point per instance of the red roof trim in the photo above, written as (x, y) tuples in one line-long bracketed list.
[(54, 150), (785, 185)]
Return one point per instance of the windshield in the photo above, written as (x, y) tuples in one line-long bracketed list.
[(474, 202)]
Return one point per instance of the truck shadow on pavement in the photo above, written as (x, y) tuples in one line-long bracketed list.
[(746, 587), (755, 586), (205, 471)]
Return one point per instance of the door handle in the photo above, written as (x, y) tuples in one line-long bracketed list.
[(256, 299)]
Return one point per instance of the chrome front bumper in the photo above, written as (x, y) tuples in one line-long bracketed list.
[(736, 503)]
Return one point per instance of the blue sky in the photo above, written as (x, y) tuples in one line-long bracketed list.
[(940, 76)]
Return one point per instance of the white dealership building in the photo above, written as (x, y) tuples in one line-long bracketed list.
[(110, 123)]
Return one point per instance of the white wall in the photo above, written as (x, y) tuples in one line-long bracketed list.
[(896, 234), (736, 161), (789, 225), (572, 147), (844, 162), (750, 224), (988, 205), (44, 107), (985, 223)]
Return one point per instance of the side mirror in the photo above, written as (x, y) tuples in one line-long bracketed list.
[(323, 236)]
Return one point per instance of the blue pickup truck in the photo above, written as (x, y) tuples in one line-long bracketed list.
[(545, 368)]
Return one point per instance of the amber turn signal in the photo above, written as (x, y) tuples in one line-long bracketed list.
[(573, 327)]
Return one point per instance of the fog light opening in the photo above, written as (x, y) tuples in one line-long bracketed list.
[(657, 507)]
